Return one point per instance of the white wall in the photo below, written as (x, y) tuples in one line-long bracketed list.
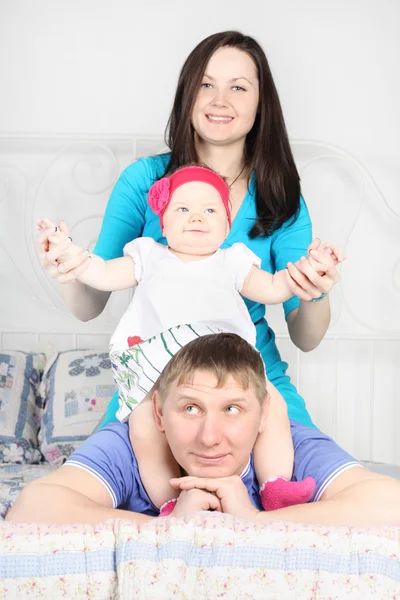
[(111, 66)]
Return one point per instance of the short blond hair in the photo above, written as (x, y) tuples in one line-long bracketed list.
[(224, 355)]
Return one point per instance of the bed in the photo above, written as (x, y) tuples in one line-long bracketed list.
[(55, 382)]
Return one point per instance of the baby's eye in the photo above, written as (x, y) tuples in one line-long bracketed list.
[(210, 210), (232, 410), (182, 209)]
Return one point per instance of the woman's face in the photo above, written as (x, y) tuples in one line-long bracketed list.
[(227, 102)]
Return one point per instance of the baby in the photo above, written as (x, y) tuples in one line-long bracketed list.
[(184, 290)]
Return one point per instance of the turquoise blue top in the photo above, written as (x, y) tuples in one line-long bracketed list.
[(129, 216)]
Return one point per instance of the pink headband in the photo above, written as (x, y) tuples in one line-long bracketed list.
[(161, 191)]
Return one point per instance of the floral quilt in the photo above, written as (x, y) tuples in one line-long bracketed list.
[(205, 556)]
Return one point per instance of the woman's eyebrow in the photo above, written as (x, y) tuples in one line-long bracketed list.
[(245, 78), (233, 78)]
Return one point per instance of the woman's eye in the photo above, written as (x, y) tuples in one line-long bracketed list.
[(238, 88), (206, 85)]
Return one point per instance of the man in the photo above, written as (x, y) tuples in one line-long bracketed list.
[(211, 403)]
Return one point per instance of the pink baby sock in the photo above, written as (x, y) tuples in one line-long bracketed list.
[(167, 508), (279, 492)]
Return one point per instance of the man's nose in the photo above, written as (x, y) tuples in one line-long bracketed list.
[(210, 431)]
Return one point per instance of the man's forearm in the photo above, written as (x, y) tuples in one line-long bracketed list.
[(308, 325), (84, 302), (370, 503), (58, 505)]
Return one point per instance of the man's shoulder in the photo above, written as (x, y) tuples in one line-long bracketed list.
[(108, 455)]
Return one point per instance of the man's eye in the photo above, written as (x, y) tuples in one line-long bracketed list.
[(232, 410), (190, 409)]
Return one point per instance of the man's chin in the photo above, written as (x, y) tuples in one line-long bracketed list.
[(211, 471)]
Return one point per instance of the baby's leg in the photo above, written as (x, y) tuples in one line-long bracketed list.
[(154, 457), (274, 458), (273, 451)]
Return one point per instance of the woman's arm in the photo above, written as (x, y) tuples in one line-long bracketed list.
[(117, 274), (308, 324), (84, 302), (123, 222)]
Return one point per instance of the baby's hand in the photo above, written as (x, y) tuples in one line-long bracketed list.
[(334, 252), (315, 254)]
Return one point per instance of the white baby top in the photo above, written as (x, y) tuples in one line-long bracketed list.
[(172, 292)]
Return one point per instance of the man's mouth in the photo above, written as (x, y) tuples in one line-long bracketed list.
[(219, 119), (210, 460)]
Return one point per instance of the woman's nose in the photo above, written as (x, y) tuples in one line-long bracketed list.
[(219, 99)]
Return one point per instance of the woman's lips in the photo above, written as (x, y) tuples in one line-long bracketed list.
[(219, 119)]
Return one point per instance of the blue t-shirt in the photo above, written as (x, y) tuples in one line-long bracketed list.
[(129, 216), (108, 456)]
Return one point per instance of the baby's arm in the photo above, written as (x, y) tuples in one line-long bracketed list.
[(261, 286), (116, 274)]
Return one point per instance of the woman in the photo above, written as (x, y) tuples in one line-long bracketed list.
[(227, 116)]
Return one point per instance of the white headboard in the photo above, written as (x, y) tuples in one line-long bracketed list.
[(350, 383)]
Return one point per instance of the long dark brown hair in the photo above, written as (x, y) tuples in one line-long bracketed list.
[(267, 148)]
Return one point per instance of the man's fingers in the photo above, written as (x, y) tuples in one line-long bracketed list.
[(214, 503), (200, 483)]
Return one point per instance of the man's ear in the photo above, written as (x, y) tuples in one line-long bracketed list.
[(264, 412), (158, 410)]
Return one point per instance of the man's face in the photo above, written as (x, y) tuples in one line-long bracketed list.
[(211, 431)]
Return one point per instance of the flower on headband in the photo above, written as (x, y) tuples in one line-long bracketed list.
[(159, 195)]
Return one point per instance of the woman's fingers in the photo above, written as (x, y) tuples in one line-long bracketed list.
[(61, 244), (43, 238), (306, 283), (72, 274), (74, 263), (64, 228)]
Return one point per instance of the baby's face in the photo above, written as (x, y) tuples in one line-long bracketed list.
[(195, 221)]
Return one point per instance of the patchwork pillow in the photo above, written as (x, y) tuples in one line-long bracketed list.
[(21, 407), (77, 387)]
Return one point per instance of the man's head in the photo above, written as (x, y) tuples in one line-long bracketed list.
[(211, 403)]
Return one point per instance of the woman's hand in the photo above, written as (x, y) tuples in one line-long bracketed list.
[(49, 253), (230, 492), (312, 276)]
